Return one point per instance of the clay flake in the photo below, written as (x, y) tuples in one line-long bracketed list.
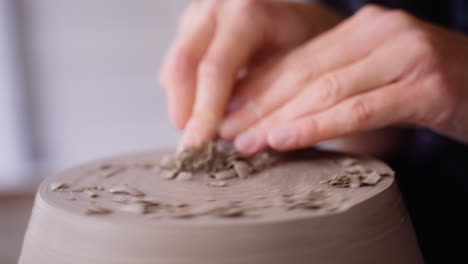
[(216, 159)]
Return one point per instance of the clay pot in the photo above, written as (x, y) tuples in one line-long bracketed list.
[(371, 226)]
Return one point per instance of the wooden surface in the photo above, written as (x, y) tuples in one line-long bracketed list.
[(14, 216)]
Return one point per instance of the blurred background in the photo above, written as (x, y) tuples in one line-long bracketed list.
[(78, 81)]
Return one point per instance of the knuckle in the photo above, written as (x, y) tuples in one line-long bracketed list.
[(298, 75), (370, 10), (400, 15), (423, 44), (312, 68), (328, 90), (424, 53), (197, 12), (441, 100), (401, 18), (241, 9), (361, 112)]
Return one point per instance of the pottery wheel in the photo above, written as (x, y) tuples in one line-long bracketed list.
[(121, 210)]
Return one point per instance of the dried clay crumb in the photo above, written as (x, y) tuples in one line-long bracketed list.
[(262, 161), (79, 189), (96, 209), (304, 205), (371, 178), (180, 204), (225, 175), (345, 181), (91, 194), (229, 212), (121, 198), (135, 208), (112, 172), (167, 162), (243, 170), (217, 184), (348, 161), (184, 176), (147, 200), (312, 200), (107, 170), (125, 189), (168, 174), (88, 189), (58, 186), (125, 199), (354, 177), (355, 169), (215, 159)]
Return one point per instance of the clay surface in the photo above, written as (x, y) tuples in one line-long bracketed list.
[(308, 207)]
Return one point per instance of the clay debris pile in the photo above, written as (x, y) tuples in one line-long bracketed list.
[(218, 159), (355, 175)]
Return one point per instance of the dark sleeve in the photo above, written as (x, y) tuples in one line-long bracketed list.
[(451, 14)]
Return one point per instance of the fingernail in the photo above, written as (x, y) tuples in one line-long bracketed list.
[(193, 135), (247, 142), (228, 128), (280, 137), (188, 140)]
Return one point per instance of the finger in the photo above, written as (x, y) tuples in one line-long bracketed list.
[(217, 74), (178, 74), (265, 64), (373, 110), (251, 141), (381, 68), (278, 84), (378, 69), (373, 71)]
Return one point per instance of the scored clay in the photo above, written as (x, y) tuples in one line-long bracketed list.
[(305, 207)]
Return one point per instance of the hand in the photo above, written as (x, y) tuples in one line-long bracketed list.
[(377, 68), (219, 38)]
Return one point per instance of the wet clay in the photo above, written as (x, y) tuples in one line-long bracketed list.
[(306, 206)]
